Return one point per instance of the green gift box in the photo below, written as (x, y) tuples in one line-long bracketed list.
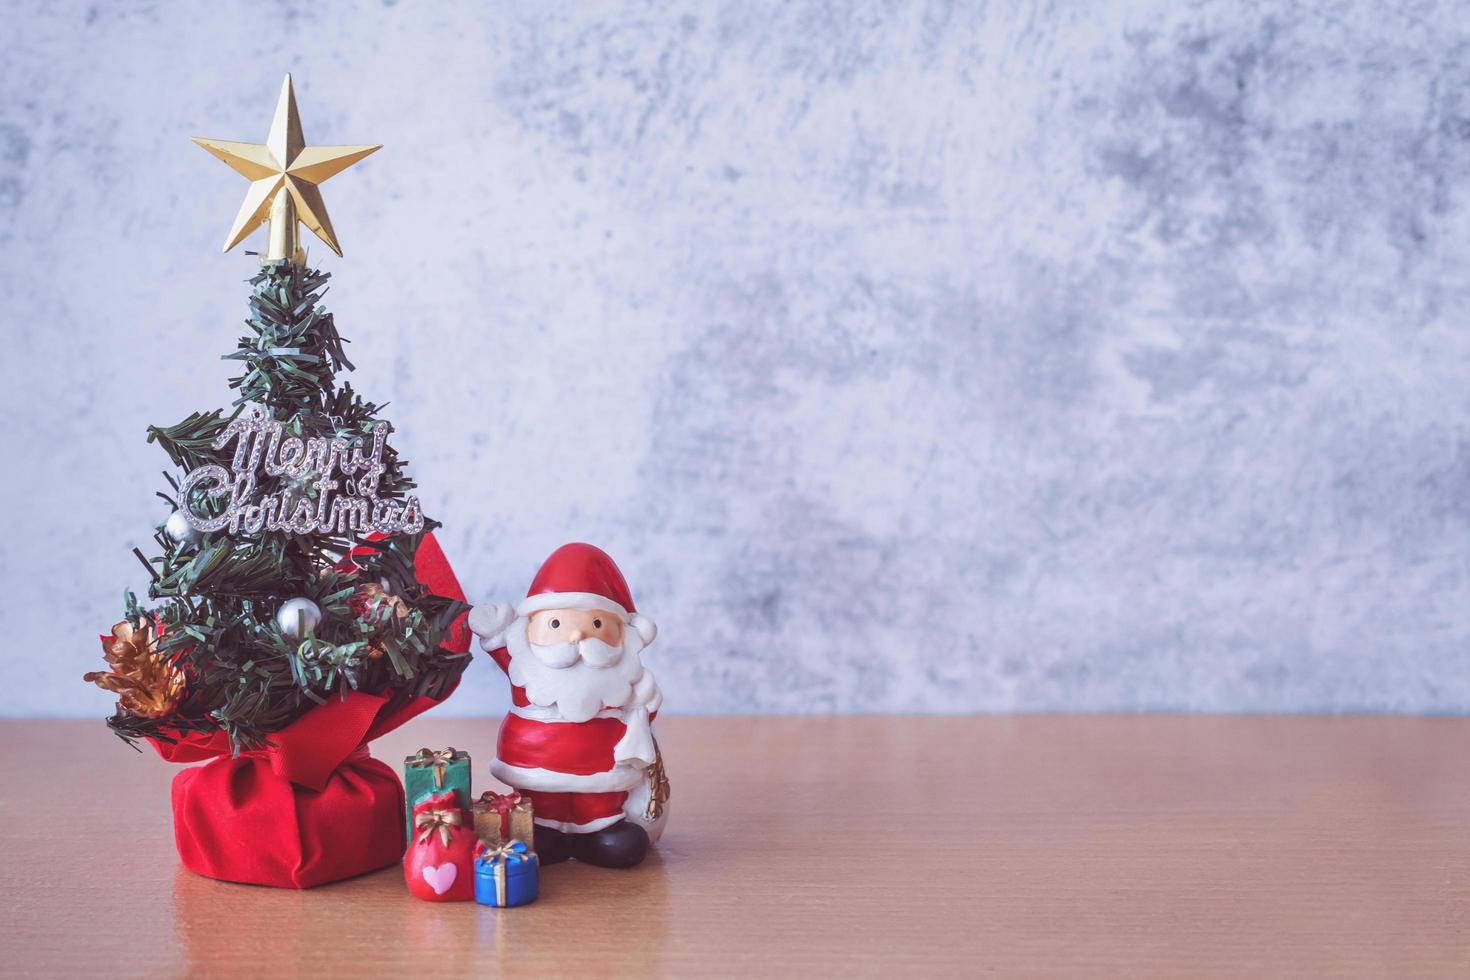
[(428, 771)]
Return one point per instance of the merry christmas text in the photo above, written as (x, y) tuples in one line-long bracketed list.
[(313, 462)]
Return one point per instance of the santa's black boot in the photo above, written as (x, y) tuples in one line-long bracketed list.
[(620, 846), (552, 846)]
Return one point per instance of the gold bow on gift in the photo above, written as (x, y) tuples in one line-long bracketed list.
[(444, 821), (498, 858), (439, 760), (489, 853)]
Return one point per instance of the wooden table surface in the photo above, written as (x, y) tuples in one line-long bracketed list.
[(1047, 846)]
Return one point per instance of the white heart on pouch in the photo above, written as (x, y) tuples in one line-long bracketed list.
[(441, 878)]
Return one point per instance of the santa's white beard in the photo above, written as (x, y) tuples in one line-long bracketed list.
[(564, 674)]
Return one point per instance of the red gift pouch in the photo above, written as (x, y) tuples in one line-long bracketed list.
[(439, 864), (313, 807)]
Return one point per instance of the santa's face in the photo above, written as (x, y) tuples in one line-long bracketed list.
[(554, 629), (579, 661)]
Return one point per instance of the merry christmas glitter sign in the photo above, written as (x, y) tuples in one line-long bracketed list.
[(343, 473)]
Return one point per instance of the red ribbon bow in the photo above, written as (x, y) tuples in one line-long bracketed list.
[(501, 803)]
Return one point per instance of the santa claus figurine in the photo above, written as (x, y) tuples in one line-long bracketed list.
[(579, 736)]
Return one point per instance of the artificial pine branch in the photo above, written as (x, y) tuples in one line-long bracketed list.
[(188, 443), (295, 350)]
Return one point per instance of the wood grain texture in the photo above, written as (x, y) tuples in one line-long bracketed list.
[(1046, 846)]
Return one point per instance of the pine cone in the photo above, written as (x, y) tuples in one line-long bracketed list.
[(145, 682)]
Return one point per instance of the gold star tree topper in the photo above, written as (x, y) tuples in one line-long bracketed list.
[(284, 176)]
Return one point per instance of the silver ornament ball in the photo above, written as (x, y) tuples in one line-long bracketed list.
[(179, 530), (298, 616)]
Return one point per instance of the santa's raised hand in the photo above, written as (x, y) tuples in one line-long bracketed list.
[(489, 621)]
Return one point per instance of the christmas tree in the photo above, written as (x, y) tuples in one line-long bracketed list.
[(285, 576)]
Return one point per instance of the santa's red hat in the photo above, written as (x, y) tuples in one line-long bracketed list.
[(578, 576), (581, 576)]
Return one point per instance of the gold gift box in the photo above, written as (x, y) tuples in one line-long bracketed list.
[(503, 817)]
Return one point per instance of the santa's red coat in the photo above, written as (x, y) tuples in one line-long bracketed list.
[(565, 767)]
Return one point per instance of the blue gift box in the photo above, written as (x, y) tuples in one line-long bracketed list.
[(506, 876)]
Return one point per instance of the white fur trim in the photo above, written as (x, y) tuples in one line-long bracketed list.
[(646, 628), (535, 712), (636, 746), (569, 600), (615, 780), (579, 828)]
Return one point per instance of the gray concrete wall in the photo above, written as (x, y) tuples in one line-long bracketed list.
[(909, 357)]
